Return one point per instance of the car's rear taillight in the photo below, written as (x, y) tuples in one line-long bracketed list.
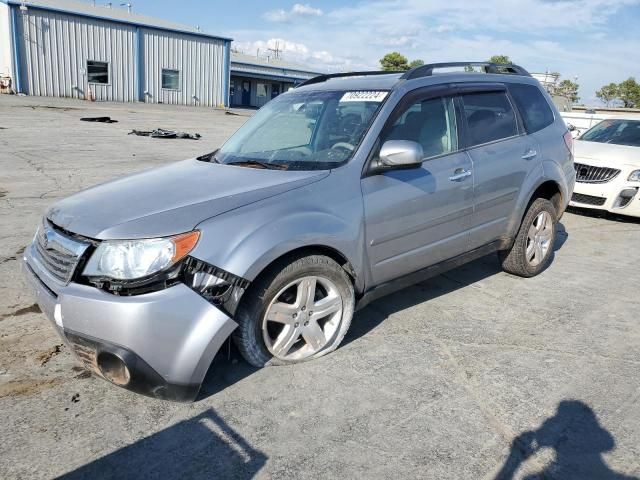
[(568, 141)]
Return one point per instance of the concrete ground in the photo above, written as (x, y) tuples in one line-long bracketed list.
[(471, 375)]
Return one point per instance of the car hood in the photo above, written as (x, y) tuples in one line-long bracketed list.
[(170, 199), (606, 154)]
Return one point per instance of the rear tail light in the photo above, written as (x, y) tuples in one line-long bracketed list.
[(568, 141)]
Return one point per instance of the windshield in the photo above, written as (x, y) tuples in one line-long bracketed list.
[(618, 132), (314, 130)]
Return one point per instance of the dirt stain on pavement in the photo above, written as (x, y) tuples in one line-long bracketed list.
[(21, 388), (47, 355), (22, 311)]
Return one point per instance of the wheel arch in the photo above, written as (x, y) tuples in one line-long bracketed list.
[(312, 249), (548, 189)]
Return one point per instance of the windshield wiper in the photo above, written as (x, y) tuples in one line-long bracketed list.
[(259, 164)]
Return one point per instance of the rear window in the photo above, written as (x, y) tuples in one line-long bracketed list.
[(490, 117), (533, 107)]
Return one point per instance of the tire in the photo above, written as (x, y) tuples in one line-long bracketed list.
[(279, 292), (517, 259)]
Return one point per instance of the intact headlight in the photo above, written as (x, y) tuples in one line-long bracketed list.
[(634, 177), (133, 259)]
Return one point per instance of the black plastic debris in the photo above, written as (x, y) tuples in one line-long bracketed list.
[(162, 133), (99, 119)]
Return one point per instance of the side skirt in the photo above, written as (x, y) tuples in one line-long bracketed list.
[(400, 283)]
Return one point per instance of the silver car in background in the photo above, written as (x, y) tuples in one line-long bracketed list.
[(345, 189)]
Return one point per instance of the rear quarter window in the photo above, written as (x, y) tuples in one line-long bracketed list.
[(535, 111), (489, 116)]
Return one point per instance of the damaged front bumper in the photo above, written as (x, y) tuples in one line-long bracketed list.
[(159, 344)]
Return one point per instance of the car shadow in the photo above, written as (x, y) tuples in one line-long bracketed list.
[(603, 214), (229, 367), (202, 447), (578, 441), (375, 313)]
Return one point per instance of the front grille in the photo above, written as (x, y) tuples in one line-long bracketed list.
[(590, 174), (58, 253), (588, 199)]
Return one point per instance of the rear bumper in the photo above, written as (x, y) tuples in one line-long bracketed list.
[(167, 339)]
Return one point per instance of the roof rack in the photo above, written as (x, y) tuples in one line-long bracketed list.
[(324, 78), (426, 71), (488, 67)]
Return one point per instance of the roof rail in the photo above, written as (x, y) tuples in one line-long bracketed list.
[(488, 67), (324, 78)]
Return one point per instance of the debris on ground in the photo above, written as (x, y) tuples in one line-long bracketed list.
[(99, 119), (22, 311), (162, 133), (231, 113), (75, 398), (44, 357)]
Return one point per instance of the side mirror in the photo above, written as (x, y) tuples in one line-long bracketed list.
[(401, 154)]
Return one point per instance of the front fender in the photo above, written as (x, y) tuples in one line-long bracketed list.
[(245, 241), (269, 242)]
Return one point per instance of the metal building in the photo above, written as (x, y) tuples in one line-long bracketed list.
[(255, 81), (65, 48)]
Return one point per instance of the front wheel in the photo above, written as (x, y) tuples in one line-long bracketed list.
[(532, 250), (296, 311)]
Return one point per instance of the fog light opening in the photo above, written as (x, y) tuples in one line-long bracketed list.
[(113, 368), (625, 197)]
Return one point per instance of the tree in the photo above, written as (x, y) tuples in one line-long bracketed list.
[(500, 59), (416, 63), (568, 89), (608, 93), (394, 61), (629, 93)]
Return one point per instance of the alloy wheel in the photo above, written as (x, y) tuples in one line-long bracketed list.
[(302, 318), (539, 238)]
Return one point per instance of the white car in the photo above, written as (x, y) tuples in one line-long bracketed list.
[(607, 163)]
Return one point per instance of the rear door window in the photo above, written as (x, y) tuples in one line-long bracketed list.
[(533, 107), (489, 116)]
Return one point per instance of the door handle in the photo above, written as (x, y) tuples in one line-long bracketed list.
[(529, 154), (459, 175)]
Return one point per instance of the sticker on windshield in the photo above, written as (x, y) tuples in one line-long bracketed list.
[(364, 96)]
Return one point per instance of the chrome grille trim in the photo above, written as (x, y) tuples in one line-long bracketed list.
[(591, 174), (56, 252)]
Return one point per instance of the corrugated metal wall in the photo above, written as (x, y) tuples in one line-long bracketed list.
[(201, 62), (55, 49)]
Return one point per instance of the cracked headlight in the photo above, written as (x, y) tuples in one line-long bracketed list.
[(133, 259), (634, 176)]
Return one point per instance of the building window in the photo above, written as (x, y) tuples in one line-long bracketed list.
[(170, 79), (97, 72), (262, 90)]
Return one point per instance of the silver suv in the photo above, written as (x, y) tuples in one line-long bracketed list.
[(345, 189)]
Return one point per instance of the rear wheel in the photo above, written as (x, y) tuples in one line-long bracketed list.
[(295, 312), (532, 250)]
